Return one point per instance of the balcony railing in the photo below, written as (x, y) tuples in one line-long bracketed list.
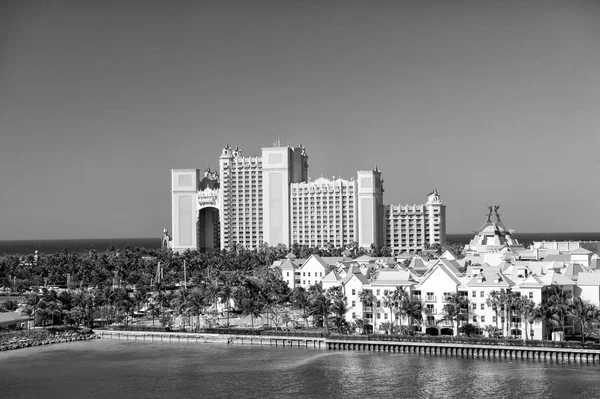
[(516, 325), (430, 298), (417, 297), (430, 310), (368, 308)]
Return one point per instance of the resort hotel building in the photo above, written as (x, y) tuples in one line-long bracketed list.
[(270, 199)]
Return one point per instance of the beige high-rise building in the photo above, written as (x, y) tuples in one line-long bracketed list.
[(270, 199), (410, 228)]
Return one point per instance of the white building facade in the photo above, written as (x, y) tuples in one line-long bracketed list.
[(270, 199)]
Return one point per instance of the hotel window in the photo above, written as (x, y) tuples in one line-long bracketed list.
[(482, 294), (308, 274), (474, 306), (482, 306), (353, 315), (353, 291), (474, 294), (353, 303), (474, 319), (530, 294), (287, 274), (378, 316), (483, 319), (377, 294), (494, 319), (385, 316)]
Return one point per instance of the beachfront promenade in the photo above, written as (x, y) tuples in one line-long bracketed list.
[(362, 343)]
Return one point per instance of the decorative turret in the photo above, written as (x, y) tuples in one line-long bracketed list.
[(433, 198), (227, 152), (492, 236)]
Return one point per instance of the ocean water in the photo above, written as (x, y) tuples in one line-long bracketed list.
[(127, 369), (83, 245), (25, 247)]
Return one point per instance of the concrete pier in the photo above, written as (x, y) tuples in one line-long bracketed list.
[(561, 355)]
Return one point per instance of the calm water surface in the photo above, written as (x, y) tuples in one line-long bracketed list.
[(126, 369)]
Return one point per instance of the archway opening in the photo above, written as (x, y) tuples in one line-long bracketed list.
[(447, 331), (208, 230), (432, 331)]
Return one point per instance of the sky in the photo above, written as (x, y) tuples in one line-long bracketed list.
[(492, 102)]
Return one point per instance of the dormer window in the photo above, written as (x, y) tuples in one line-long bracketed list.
[(496, 280)]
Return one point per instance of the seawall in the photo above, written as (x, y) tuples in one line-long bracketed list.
[(560, 355), (49, 340)]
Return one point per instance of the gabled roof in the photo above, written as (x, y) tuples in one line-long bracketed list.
[(490, 279), (355, 272), (448, 254), (417, 264), (589, 278), (451, 264), (331, 277), (332, 260), (473, 270), (556, 278), (573, 271), (318, 259), (443, 268), (532, 282), (581, 251), (394, 277), (286, 264)]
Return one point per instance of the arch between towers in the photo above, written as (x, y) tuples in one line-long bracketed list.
[(208, 229)]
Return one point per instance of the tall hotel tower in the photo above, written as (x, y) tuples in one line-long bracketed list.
[(270, 199)]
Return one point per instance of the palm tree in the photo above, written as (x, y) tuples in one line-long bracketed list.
[(402, 299), (180, 304), (153, 310), (456, 303), (195, 302), (31, 305), (413, 308), (248, 299), (107, 298), (558, 303), (493, 301), (367, 299), (225, 295), (526, 308), (506, 298), (583, 312), (299, 299), (389, 301), (339, 309)]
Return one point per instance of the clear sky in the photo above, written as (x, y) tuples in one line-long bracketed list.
[(493, 102)]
